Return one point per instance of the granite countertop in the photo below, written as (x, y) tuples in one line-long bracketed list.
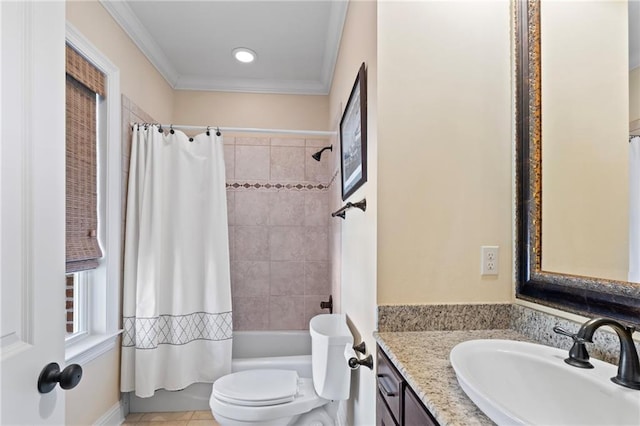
[(422, 357)]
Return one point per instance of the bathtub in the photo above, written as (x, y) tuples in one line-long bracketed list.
[(251, 349)]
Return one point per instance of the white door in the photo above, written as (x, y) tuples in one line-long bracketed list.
[(32, 216)]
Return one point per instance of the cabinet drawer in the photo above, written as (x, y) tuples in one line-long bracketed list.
[(415, 414), (383, 415), (390, 385)]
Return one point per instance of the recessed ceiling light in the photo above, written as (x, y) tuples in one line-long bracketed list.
[(244, 55)]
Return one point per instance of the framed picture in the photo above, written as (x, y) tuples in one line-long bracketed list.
[(353, 137)]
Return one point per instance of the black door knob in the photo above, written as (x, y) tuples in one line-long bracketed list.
[(51, 375)]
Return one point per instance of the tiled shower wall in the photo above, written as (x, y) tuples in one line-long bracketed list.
[(278, 204), (279, 215)]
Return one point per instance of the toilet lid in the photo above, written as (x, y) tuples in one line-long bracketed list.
[(257, 387)]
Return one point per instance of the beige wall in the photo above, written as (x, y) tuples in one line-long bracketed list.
[(444, 160), (225, 109), (98, 391), (139, 80), (584, 138), (634, 97), (356, 240)]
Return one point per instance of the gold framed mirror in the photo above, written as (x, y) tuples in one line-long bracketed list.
[(580, 293)]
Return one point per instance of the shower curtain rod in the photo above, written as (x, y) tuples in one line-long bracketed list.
[(250, 130)]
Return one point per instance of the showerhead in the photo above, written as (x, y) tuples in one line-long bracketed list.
[(318, 154)]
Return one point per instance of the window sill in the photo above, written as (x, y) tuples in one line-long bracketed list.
[(90, 347)]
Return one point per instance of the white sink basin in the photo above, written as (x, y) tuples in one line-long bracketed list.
[(518, 383)]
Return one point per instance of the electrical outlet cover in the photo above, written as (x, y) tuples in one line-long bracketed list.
[(489, 264)]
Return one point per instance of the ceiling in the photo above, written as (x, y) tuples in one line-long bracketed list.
[(297, 41), (191, 42)]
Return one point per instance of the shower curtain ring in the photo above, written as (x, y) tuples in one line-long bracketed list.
[(171, 129), (218, 131), (208, 133)]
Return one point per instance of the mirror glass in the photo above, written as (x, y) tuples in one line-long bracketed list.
[(577, 100), (585, 75)]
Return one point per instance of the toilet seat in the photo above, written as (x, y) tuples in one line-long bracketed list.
[(304, 400), (256, 388)]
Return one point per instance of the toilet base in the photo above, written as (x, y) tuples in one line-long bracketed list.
[(316, 417), (225, 421)]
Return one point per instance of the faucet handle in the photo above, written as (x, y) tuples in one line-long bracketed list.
[(574, 336), (578, 355)]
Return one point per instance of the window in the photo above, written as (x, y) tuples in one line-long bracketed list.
[(85, 90), (94, 223), (74, 302)]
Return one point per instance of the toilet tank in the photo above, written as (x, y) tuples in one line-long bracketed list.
[(331, 373)]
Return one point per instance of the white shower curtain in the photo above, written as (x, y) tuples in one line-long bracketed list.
[(634, 209), (177, 295)]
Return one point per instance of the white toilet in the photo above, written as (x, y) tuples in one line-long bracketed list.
[(281, 397)]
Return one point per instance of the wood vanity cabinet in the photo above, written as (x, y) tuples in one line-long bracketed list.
[(396, 403)]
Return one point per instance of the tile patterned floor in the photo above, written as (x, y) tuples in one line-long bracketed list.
[(182, 418)]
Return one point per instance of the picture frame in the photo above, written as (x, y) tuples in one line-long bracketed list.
[(353, 137)]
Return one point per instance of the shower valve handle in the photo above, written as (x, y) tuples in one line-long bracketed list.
[(327, 305)]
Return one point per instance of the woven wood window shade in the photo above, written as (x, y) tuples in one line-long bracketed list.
[(84, 81)]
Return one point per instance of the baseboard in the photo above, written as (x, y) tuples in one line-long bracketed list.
[(114, 415)]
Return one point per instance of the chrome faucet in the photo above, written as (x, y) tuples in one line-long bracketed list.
[(628, 365)]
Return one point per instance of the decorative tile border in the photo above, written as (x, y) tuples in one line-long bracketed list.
[(333, 178), (277, 186), (293, 186)]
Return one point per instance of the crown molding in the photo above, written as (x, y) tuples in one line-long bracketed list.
[(291, 87), (129, 22), (337, 17)]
